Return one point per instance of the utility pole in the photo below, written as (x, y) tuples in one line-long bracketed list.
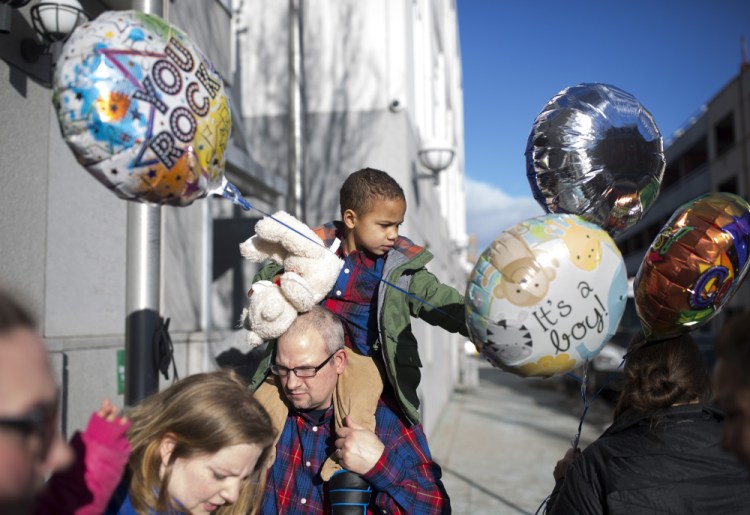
[(296, 177), (743, 118), (143, 279), (745, 172)]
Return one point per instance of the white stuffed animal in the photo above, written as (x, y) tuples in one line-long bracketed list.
[(310, 271), (268, 313)]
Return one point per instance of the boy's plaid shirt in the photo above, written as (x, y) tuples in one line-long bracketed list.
[(354, 299), (356, 304)]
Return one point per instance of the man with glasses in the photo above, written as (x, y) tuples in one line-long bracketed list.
[(31, 447), (394, 460)]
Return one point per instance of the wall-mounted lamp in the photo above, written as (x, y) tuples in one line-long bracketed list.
[(54, 22), (6, 14), (436, 156)]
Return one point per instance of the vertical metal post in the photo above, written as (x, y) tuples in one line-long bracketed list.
[(744, 184), (743, 124), (143, 281), (207, 257), (296, 178)]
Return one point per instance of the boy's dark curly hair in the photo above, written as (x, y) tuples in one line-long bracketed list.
[(364, 187)]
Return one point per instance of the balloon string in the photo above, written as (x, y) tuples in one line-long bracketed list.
[(585, 399), (231, 192), (586, 403), (544, 502)]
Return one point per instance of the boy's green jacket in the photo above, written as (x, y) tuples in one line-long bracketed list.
[(405, 268)]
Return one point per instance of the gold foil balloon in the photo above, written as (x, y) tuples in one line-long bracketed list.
[(694, 265), (143, 109), (595, 151)]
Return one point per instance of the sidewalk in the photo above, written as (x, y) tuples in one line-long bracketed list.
[(498, 444)]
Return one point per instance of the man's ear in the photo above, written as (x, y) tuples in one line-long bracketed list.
[(341, 359), (166, 446), (349, 218)]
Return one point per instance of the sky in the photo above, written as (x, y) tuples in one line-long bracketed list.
[(672, 55)]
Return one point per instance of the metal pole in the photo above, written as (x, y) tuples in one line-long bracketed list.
[(743, 128), (143, 281), (296, 188), (743, 188)]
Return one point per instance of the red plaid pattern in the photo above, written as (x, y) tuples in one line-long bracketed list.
[(405, 480)]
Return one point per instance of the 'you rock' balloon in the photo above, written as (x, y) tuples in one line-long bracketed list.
[(595, 151), (546, 295), (694, 265), (142, 108)]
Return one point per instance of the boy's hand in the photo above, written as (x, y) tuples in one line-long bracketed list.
[(357, 448)]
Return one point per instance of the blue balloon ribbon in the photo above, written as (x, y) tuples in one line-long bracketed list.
[(231, 192)]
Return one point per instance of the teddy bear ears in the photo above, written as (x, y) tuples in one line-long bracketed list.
[(309, 272), (279, 235)]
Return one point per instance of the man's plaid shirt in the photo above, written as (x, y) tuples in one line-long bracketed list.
[(405, 479)]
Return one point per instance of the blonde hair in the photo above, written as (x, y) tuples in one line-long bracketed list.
[(204, 413)]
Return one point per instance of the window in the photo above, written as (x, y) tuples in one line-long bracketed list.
[(632, 244), (671, 175), (695, 157), (724, 133), (729, 185), (653, 231)]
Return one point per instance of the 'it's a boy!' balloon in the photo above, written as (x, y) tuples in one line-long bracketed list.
[(546, 295), (694, 265), (142, 108)]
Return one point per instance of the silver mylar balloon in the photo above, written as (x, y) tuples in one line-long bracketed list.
[(595, 151)]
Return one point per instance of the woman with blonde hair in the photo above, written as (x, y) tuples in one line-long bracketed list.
[(198, 447)]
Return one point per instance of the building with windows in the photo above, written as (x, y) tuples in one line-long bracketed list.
[(709, 153), (318, 90)]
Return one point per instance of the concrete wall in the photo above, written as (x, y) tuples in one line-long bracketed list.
[(735, 162), (64, 235), (24, 133)]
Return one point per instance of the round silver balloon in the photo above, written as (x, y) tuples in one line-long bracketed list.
[(595, 151)]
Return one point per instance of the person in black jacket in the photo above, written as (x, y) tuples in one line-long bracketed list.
[(662, 453)]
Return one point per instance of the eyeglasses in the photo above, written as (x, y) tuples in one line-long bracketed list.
[(304, 372), (39, 421)]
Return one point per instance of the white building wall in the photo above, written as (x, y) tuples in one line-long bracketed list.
[(64, 234), (359, 56)]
